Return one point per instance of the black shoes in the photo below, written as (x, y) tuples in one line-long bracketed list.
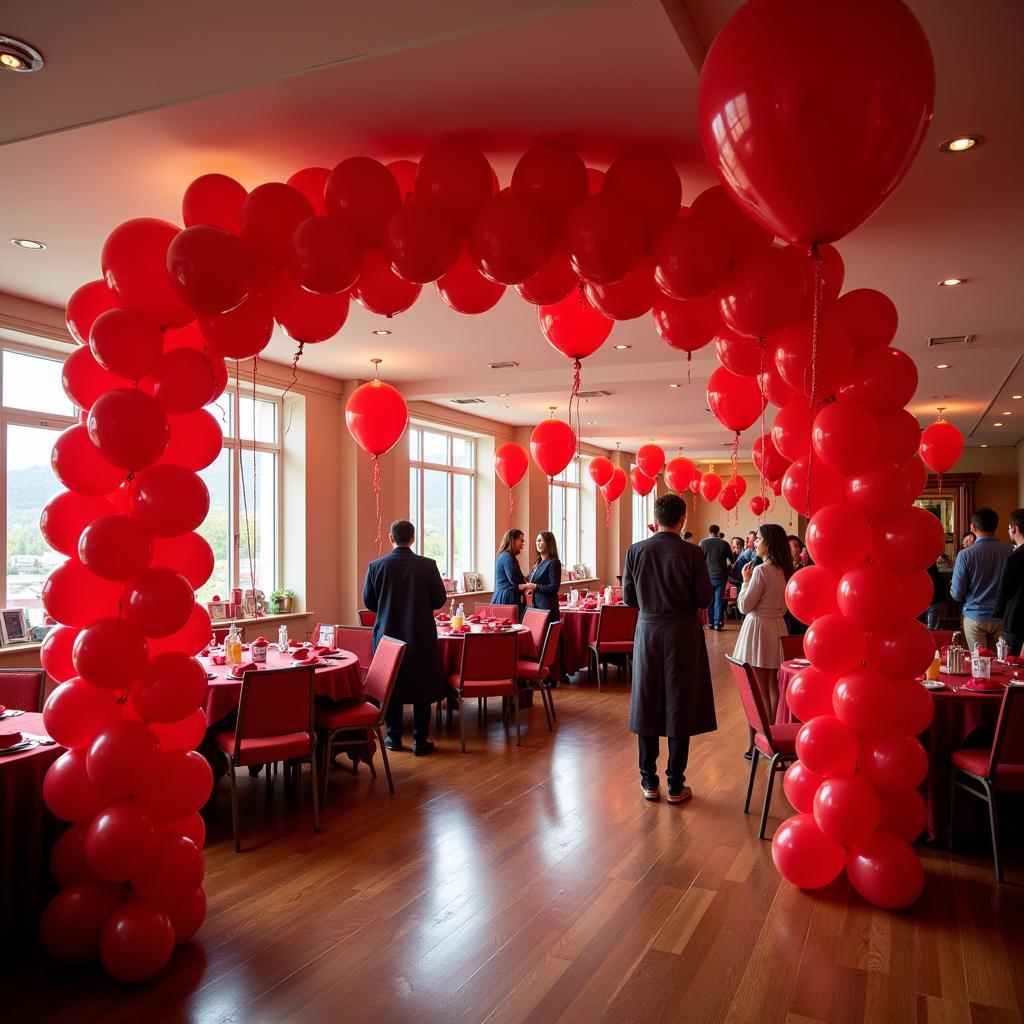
[(393, 744), (423, 747)]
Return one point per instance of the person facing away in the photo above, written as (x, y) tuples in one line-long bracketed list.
[(1010, 600), (508, 576), (546, 576), (688, 536), (975, 581), (667, 580), (719, 558), (405, 589)]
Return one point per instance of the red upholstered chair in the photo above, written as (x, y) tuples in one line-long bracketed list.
[(366, 617), (221, 634), (357, 640), (792, 647), (536, 621), (275, 723), (21, 689), (488, 669), (615, 628), (497, 611), (537, 672), (346, 725), (984, 772), (775, 743)]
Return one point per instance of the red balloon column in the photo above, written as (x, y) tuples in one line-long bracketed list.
[(510, 464)]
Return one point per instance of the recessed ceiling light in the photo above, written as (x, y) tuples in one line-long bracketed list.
[(942, 366), (591, 423), (1007, 413), (951, 282), (506, 407), (1017, 396), (18, 56), (622, 348), (997, 424), (984, 446), (503, 394), (380, 332), (673, 385), (961, 143), (942, 396), (28, 243)]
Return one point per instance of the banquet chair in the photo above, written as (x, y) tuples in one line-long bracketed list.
[(983, 772), (615, 629), (366, 617), (22, 688), (792, 647), (275, 723), (497, 611), (488, 669), (354, 721), (536, 622), (220, 635), (536, 673), (775, 743), (357, 640)]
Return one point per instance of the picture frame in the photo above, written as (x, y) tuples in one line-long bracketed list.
[(449, 585), (326, 635), (581, 571), (472, 582), (14, 626), (218, 610)]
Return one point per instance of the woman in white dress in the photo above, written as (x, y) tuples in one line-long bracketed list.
[(762, 600)]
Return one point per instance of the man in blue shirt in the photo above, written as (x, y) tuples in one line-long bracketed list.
[(976, 580)]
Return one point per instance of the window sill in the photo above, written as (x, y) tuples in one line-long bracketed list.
[(12, 648), (221, 623)]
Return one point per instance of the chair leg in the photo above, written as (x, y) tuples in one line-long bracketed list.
[(313, 754), (773, 768), (603, 668), (515, 698), (384, 758), (269, 771), (750, 782), (993, 821), (551, 702), (234, 807), (462, 726), (325, 768), (547, 713)]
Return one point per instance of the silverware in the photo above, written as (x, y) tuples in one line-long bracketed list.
[(43, 741), (13, 713)]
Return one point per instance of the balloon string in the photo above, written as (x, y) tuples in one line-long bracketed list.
[(241, 476), (511, 506), (689, 367), (815, 337), (255, 488), (376, 499), (295, 369), (574, 396), (764, 404)]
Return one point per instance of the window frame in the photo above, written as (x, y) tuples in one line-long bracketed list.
[(567, 487), (642, 508)]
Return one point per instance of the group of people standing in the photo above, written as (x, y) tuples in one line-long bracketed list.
[(512, 587)]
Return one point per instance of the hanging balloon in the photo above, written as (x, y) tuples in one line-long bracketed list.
[(845, 436), (242, 332), (646, 182), (85, 305), (365, 193), (758, 505), (868, 317), (457, 176), (613, 490), (404, 173), (601, 470), (420, 243), (642, 483), (763, 292), (311, 182), (552, 283), (881, 378), (806, 371), (728, 498), (744, 235), (791, 429), (270, 215), (552, 445), (66, 515), (833, 271), (916, 474), (604, 239), (125, 343), (626, 299), (710, 485), (465, 289), (901, 431), (691, 255), (510, 465), (325, 255), (651, 459), (304, 316), (210, 269), (735, 401), (687, 326), (380, 290), (214, 199), (129, 428), (678, 473), (809, 485), (185, 380), (941, 445), (768, 459), (169, 500), (776, 390), (746, 357), (552, 175), (510, 239)]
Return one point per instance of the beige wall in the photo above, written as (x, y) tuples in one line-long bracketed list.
[(701, 514), (999, 485)]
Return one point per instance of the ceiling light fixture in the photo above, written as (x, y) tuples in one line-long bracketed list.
[(673, 385), (984, 446), (502, 394), (1007, 413), (997, 424), (952, 282), (1017, 396), (622, 348), (28, 243), (942, 366), (380, 332), (591, 423), (961, 143), (16, 55)]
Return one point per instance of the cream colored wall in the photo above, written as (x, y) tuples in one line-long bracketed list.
[(701, 514), (998, 487)]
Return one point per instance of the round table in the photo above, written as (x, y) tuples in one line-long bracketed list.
[(579, 630), (449, 648)]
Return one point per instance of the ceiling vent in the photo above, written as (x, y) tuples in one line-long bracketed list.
[(468, 401), (593, 394), (503, 366), (953, 339)]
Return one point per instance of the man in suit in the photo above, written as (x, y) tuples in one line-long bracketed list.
[(1010, 602), (667, 580), (405, 589), (719, 559)]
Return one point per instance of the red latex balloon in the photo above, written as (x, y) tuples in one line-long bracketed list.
[(642, 483), (647, 183), (687, 326), (404, 173), (243, 331), (912, 710), (552, 283), (110, 653), (845, 436), (885, 870), (744, 235), (743, 356), (119, 761), (695, 481), (903, 648), (810, 693), (172, 686), (917, 590), (800, 785), (868, 317), (691, 255), (68, 865), (158, 602), (137, 941), (74, 596), (211, 369), (191, 827), (881, 378), (214, 199), (614, 489), (846, 808), (901, 431), (833, 271), (210, 269), (79, 465), (86, 304), (84, 380), (740, 485), (791, 430), (811, 593), (421, 242), (904, 814), (793, 357), (710, 486), (376, 416), (651, 459), (188, 917), (768, 459), (126, 343), (325, 254), (191, 638), (759, 505), (552, 445), (777, 391), (604, 239), (827, 746), (601, 470), (826, 486), (833, 644), (189, 554), (799, 145), (73, 920), (803, 855), (839, 537), (510, 463), (678, 473), (863, 700), (910, 539), (180, 785), (729, 497), (134, 261), (270, 215), (870, 595), (763, 292), (510, 239), (735, 401), (312, 182), (893, 763), (465, 289), (55, 654), (169, 500), (304, 316), (552, 175), (66, 515), (878, 489), (128, 428), (457, 176), (76, 711), (941, 446), (574, 327), (196, 440), (185, 380), (627, 299), (364, 192), (68, 790), (185, 734), (174, 875), (380, 290)]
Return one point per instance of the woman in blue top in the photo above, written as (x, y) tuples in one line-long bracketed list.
[(546, 576), (509, 581)]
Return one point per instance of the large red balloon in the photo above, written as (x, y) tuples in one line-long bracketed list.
[(803, 855), (465, 289), (270, 214), (67, 789), (126, 343), (870, 595), (910, 539), (744, 356), (763, 292), (792, 428), (735, 401), (882, 378), (157, 602), (604, 239), (55, 654), (778, 392), (941, 445), (210, 269), (172, 686), (893, 763), (68, 865), (885, 870), (191, 638), (376, 416), (687, 326), (129, 428), (745, 235), (800, 784), (552, 445), (188, 917), (119, 760), (626, 299), (169, 500), (380, 290), (825, 488), (916, 474), (799, 143), (691, 255), (729, 497), (651, 459), (647, 183), (76, 711), (810, 693), (75, 596), (179, 786), (325, 254), (768, 459), (811, 593), (846, 808), (904, 814), (601, 470), (305, 316), (833, 271), (642, 483), (196, 440), (573, 326), (84, 380), (110, 653), (66, 515), (365, 193), (190, 554), (845, 436), (839, 537), (868, 317), (510, 239), (863, 701), (710, 486), (115, 547), (175, 873), (552, 282), (917, 590), (793, 355), (79, 466), (613, 490), (903, 648), (879, 489), (913, 709), (901, 431), (833, 644), (552, 176), (86, 304), (510, 463), (73, 920), (421, 242), (214, 199), (456, 176), (827, 746), (137, 941), (678, 473), (242, 332)]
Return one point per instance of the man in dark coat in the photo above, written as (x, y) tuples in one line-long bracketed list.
[(1011, 586), (667, 579), (719, 558), (405, 589)]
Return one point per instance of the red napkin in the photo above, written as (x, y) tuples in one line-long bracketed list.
[(986, 653), (301, 653), (10, 739), (980, 683), (293, 643), (473, 618), (1014, 659), (239, 670), (326, 650)]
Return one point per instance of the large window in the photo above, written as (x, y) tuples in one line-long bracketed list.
[(441, 498), (643, 513), (565, 506)]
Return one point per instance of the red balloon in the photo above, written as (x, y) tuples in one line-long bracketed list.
[(457, 176), (76, 711), (304, 316), (810, 693), (912, 710), (169, 500), (642, 483), (744, 234), (80, 467), (129, 428), (807, 155), (903, 648), (728, 498), (110, 653), (376, 416), (191, 827), (126, 343), (763, 292), (678, 473), (66, 515), (68, 865), (833, 644), (574, 327), (510, 239), (85, 305), (174, 875), (421, 242), (84, 380), (119, 760), (137, 941), (510, 463), (863, 700), (552, 175), (735, 401), (115, 547), (55, 654), (188, 917), (172, 686), (552, 283), (893, 763), (800, 784), (646, 182), (846, 808), (759, 505), (792, 430), (190, 554), (364, 192), (380, 290), (695, 481), (904, 814), (214, 199), (691, 255), (210, 269), (777, 391), (73, 595), (626, 299), (196, 440), (270, 215), (839, 537), (827, 746), (552, 445), (404, 173), (901, 431), (211, 368), (73, 920), (845, 436), (832, 271), (651, 459), (312, 182), (743, 356), (325, 254), (242, 332), (710, 486), (917, 590), (687, 326), (68, 791), (604, 239), (885, 870), (941, 446), (134, 261), (881, 378), (868, 317), (910, 539), (826, 486), (601, 470), (870, 595), (185, 380), (793, 353), (158, 602), (191, 638), (465, 289), (803, 855), (878, 489), (768, 459), (185, 734), (613, 490), (811, 593), (739, 485), (180, 785)]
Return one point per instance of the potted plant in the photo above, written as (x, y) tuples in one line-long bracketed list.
[(281, 601)]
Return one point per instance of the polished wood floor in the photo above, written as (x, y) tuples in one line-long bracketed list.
[(536, 885)]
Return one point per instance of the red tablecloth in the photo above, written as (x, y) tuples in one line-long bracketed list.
[(579, 628), (787, 670), (339, 679), (27, 831)]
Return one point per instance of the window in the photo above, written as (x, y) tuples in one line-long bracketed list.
[(565, 505), (442, 496), (643, 513)]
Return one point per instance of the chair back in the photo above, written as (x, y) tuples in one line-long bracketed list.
[(1008, 743), (221, 634), (941, 638), (488, 657), (536, 621), (366, 617), (549, 650), (380, 679), (616, 623), (497, 611), (356, 639), (22, 688), (750, 698), (792, 647), (275, 702)]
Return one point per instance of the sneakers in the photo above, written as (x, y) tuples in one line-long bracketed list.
[(423, 747), (650, 794), (681, 797)]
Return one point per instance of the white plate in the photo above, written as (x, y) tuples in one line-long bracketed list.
[(799, 662), (933, 684), (18, 748)]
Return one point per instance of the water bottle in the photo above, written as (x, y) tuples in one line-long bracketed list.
[(1002, 649), (282, 637)]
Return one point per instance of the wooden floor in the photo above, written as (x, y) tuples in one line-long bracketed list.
[(536, 885)]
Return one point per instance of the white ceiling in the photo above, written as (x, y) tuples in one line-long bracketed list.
[(136, 100)]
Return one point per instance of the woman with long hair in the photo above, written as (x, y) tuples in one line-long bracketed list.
[(546, 576), (509, 581), (762, 600)]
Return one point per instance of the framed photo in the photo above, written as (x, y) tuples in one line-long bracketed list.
[(449, 585), (472, 582), (581, 571), (13, 626), (327, 636), (218, 610)]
